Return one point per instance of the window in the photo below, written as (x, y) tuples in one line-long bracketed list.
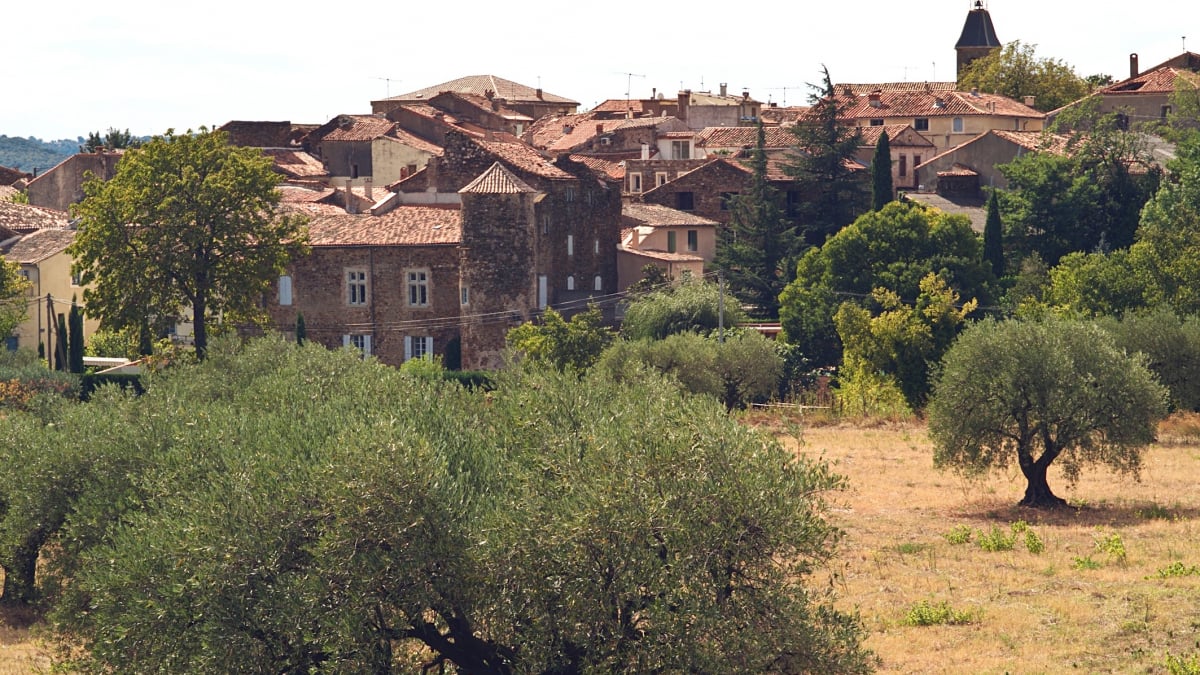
[(596, 246), (571, 283), (685, 201), (418, 288), (418, 347), (1166, 111), (903, 165), (671, 245), (543, 292), (11, 343), (916, 162), (356, 287), (635, 182), (660, 178), (358, 341), (570, 244), (76, 279), (681, 150), (546, 224), (354, 171), (465, 294), (921, 124), (569, 194), (285, 290), (412, 168), (727, 199), (693, 240), (876, 122), (957, 125), (599, 284)]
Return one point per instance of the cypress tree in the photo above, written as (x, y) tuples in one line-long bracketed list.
[(882, 190), (993, 245), (75, 338), (60, 344), (301, 331)]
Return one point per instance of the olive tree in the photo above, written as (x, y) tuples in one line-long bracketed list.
[(1032, 393)]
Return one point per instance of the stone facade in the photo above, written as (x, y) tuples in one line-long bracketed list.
[(62, 186)]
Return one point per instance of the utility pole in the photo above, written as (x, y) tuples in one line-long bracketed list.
[(720, 307)]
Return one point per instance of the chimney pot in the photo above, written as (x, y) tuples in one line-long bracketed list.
[(723, 88), (1029, 100), (1133, 65)]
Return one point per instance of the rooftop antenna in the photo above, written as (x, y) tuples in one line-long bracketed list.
[(1184, 38), (388, 84), (628, 88)]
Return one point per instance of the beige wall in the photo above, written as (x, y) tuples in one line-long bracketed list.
[(944, 137), (51, 276), (390, 158), (630, 264), (658, 239)]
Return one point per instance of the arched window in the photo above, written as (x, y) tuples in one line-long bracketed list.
[(571, 283)]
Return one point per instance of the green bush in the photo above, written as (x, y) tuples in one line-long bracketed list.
[(942, 614)]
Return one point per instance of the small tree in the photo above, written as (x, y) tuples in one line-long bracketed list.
[(1033, 392), (75, 343), (61, 347), (993, 242), (882, 190), (574, 344), (691, 306), (14, 305)]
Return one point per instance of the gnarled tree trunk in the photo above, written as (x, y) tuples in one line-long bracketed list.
[(1037, 492)]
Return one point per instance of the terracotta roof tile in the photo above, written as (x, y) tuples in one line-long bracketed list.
[(40, 244), (611, 168), (480, 84), (403, 226), (870, 135), (523, 157), (296, 163), (9, 176), (655, 215), (864, 89), (958, 170), (485, 104), (662, 255), (1158, 81), (782, 115), (926, 104), (17, 216), (1036, 140), (497, 180), (353, 128), (415, 142), (744, 137)]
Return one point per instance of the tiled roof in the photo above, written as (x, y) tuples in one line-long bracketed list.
[(660, 216), (485, 104), (403, 226), (40, 244), (926, 104), (497, 180), (870, 135), (416, 142), (296, 163), (744, 137), (613, 169), (18, 216), (1158, 81), (9, 176), (523, 157), (480, 85), (258, 134), (1035, 140), (958, 170), (7, 192), (782, 115), (350, 128), (662, 255), (299, 195), (894, 87), (971, 207)]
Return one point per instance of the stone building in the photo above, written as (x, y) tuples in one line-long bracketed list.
[(60, 187), (529, 101)]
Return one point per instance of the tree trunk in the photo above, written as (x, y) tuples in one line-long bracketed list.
[(20, 587), (1037, 492), (200, 326)]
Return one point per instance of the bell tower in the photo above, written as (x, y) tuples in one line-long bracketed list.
[(978, 38)]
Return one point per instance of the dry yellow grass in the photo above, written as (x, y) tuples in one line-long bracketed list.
[(1032, 613)]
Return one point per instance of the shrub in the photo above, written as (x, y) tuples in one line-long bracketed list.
[(942, 614)]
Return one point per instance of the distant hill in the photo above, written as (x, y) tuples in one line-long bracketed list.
[(31, 153)]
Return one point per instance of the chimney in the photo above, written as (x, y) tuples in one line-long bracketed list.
[(939, 102), (873, 98), (1133, 65), (349, 196), (847, 91), (1029, 100), (685, 99), (653, 92), (745, 95), (599, 128), (367, 185), (538, 92), (724, 88), (645, 151), (496, 104)]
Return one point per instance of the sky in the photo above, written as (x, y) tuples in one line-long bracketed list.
[(75, 66)]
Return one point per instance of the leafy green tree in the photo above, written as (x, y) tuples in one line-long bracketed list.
[(113, 139), (573, 345), (1097, 284), (1171, 345), (993, 237), (187, 221), (1184, 119), (882, 190), (894, 249), (14, 303), (1034, 392), (269, 522), (823, 166), (692, 305), (743, 369), (1016, 71), (900, 343), (756, 248), (1167, 250)]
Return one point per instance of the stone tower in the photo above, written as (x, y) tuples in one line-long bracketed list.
[(978, 38)]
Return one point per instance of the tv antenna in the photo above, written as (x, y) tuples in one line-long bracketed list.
[(388, 84)]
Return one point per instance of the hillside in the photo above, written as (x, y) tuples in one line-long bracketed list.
[(28, 154)]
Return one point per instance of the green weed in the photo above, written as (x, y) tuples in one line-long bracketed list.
[(1177, 569), (960, 534), (1085, 563), (942, 614)]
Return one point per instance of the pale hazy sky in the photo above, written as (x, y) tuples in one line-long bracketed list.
[(74, 66)]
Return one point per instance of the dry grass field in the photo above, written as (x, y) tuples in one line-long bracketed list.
[(1115, 588)]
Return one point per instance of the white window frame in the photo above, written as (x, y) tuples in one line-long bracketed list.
[(416, 287), (598, 283), (570, 244), (358, 291), (693, 240), (635, 182), (285, 290), (660, 178), (417, 347), (570, 282), (956, 125), (359, 341)]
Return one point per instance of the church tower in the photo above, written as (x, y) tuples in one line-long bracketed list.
[(978, 38)]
